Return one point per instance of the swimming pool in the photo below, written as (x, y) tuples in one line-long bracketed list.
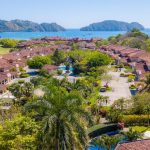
[(63, 68)]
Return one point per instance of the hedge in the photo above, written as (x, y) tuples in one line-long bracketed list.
[(135, 120)]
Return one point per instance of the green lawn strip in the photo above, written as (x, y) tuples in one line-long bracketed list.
[(4, 50), (140, 129), (96, 127)]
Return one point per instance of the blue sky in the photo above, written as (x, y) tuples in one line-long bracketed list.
[(76, 13)]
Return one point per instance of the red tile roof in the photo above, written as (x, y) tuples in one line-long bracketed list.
[(136, 145), (50, 68)]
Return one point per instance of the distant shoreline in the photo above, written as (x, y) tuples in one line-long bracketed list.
[(69, 33)]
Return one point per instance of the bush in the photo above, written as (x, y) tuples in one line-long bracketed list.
[(24, 75), (120, 66), (109, 88), (113, 62), (132, 87), (8, 43), (21, 70), (130, 80), (59, 72), (38, 62), (103, 89), (21, 81), (43, 73), (131, 77), (135, 119), (122, 75)]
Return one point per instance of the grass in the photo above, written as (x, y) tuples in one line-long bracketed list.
[(4, 50), (96, 127), (140, 128)]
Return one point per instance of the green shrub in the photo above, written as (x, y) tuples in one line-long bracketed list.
[(131, 77), (24, 75), (120, 66), (132, 87), (37, 62), (59, 72), (8, 43), (103, 89), (130, 80), (43, 72), (109, 88), (122, 75), (21, 81), (135, 119), (21, 70)]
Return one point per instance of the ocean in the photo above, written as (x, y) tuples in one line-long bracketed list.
[(72, 33)]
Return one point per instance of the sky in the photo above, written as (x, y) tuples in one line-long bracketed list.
[(76, 13)]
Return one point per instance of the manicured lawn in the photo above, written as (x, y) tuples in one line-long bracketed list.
[(141, 128), (4, 50), (96, 127)]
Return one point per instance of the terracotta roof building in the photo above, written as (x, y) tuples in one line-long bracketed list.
[(136, 145), (50, 68)]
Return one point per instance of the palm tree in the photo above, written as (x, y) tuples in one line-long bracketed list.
[(132, 135), (103, 99), (63, 119), (22, 91), (119, 104), (17, 90), (28, 89), (107, 142)]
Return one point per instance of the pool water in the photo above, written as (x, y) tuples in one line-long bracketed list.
[(95, 148), (63, 68)]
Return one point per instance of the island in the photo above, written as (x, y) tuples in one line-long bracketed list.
[(28, 26), (112, 25)]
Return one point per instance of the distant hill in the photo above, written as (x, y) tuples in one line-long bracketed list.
[(112, 25), (28, 26)]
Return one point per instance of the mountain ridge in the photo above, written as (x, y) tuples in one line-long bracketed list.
[(112, 25), (28, 26)]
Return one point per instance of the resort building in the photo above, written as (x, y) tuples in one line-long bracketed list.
[(135, 145), (50, 68), (11, 63), (138, 59)]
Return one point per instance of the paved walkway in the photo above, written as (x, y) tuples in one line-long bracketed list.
[(120, 87)]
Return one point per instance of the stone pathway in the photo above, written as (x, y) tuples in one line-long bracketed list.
[(120, 88)]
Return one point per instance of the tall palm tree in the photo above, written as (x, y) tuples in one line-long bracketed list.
[(63, 119)]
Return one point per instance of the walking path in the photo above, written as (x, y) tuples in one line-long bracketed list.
[(120, 87)]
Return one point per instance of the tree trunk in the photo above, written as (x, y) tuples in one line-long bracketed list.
[(57, 135)]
